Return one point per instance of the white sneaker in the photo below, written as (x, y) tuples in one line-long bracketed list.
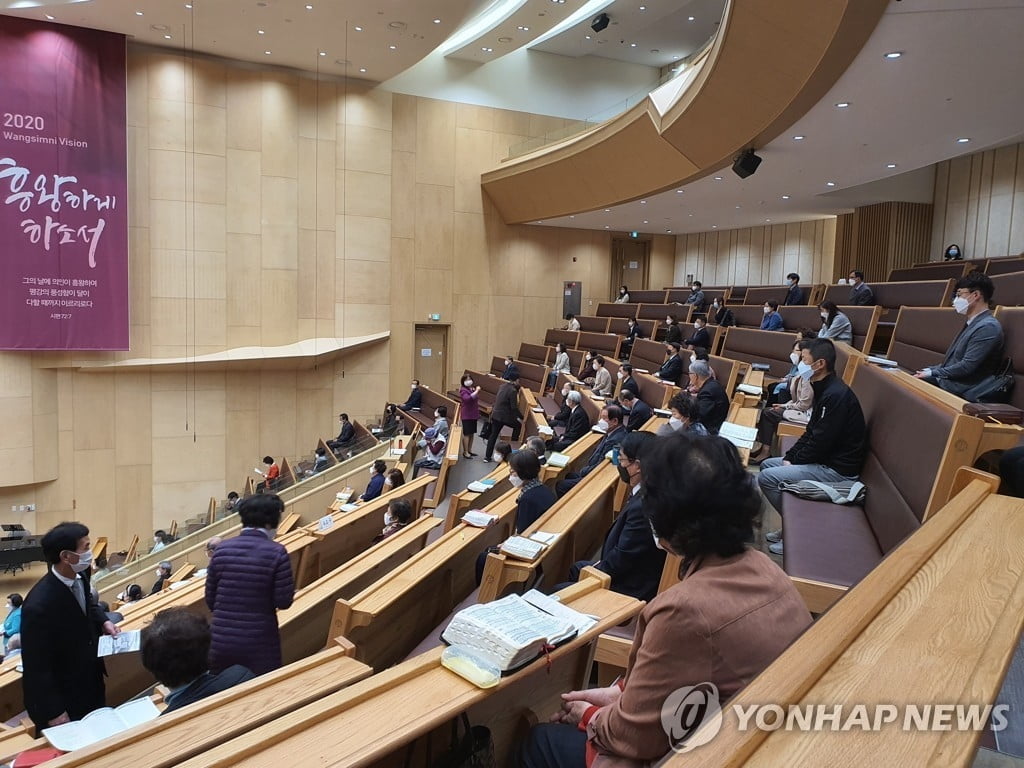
[(776, 548), (774, 536)]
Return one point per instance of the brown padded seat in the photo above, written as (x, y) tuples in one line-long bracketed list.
[(922, 336), (1009, 289), (748, 315), (939, 270), (533, 353), (908, 435), (557, 336), (433, 638), (647, 354), (606, 344), (892, 296), (648, 297), (611, 309), (798, 318), (761, 294), (771, 347), (593, 324), (1004, 266)]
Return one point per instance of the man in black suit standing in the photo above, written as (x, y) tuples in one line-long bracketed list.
[(60, 629)]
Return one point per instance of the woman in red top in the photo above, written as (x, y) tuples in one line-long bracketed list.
[(269, 476)]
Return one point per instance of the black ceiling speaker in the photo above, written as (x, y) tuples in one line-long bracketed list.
[(600, 22), (745, 164)]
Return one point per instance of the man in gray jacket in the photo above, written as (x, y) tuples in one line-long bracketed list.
[(977, 351)]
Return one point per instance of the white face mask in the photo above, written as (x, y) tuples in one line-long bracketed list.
[(595, 366), (675, 423), (565, 392), (795, 357), (467, 383), (657, 542), (960, 304), (84, 562), (767, 310), (602, 425), (10, 607), (157, 572), (714, 304), (693, 359), (824, 315), (387, 482), (588, 357), (516, 480), (619, 374), (388, 519), (804, 371), (499, 457), (412, 387)]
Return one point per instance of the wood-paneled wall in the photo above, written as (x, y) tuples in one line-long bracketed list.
[(979, 204), (882, 237), (267, 208), (758, 255)]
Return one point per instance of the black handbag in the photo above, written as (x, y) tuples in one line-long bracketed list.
[(995, 388), (473, 749)]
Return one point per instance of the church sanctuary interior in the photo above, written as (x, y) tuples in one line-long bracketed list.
[(415, 363)]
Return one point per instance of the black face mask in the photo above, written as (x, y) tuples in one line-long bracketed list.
[(623, 474)]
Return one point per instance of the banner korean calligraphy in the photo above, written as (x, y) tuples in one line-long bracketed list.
[(63, 188)]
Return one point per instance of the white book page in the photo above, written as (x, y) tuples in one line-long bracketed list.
[(581, 622), (126, 642), (137, 712)]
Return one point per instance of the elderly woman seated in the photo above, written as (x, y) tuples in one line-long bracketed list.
[(733, 612)]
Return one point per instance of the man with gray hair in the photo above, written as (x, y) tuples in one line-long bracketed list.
[(163, 573), (712, 400), (578, 425), (538, 446)]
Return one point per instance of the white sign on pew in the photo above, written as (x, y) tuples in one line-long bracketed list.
[(325, 523)]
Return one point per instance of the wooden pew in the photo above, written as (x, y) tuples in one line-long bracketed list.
[(465, 500), (1012, 319), (750, 346), (680, 295), (356, 726), (863, 319), (558, 336), (647, 355), (436, 492), (606, 344), (431, 400), (922, 335), (531, 376), (611, 309), (892, 296), (894, 638), (489, 386), (581, 519), (590, 324), (190, 731), (620, 326), (1009, 289), (934, 270), (387, 619), (648, 297), (653, 391), (537, 354), (756, 296), (1004, 265), (659, 313)]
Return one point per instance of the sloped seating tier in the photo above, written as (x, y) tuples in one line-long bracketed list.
[(710, 294), (660, 313), (554, 336), (761, 294), (431, 400), (922, 335), (917, 629), (915, 446), (647, 355), (611, 309), (1009, 289), (537, 354), (531, 376), (938, 270), (653, 391), (892, 296), (606, 344), (648, 297), (592, 324), (750, 346)]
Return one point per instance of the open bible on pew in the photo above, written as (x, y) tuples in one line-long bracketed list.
[(101, 724), (514, 630)]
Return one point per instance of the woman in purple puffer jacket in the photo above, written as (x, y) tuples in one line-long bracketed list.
[(248, 580)]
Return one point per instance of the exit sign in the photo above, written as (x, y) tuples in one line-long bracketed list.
[(435, 317)]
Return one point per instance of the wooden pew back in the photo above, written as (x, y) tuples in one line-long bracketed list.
[(1004, 265), (935, 270), (648, 297), (537, 354), (1009, 289), (611, 309), (591, 324), (750, 346), (922, 335), (557, 336), (760, 294), (1012, 319), (749, 315), (647, 355), (863, 319), (606, 344), (892, 296), (531, 376)]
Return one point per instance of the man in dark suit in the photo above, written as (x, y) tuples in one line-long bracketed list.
[(795, 294), (610, 423), (700, 339), (626, 377), (672, 368), (60, 629), (163, 573), (861, 294), (629, 554), (348, 431), (977, 351), (415, 401), (637, 411), (511, 369), (712, 401), (578, 425), (505, 413)]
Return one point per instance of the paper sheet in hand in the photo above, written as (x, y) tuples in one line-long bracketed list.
[(126, 642), (101, 724)]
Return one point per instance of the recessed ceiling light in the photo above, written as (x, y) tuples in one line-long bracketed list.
[(588, 37), (962, 140), (437, 21), (891, 165), (767, 219), (798, 137), (605, 226), (632, 45), (643, 7), (485, 49), (188, 6), (643, 202), (785, 197), (138, 13), (359, 29), (51, 18), (714, 226), (572, 217), (260, 32), (606, 210), (679, 191), (267, 53), (167, 37), (690, 215), (669, 231), (689, 18), (893, 54), (830, 183), (521, 28), (309, 7), (393, 47), (842, 104), (646, 222), (737, 207), (362, 69), (323, 53), (718, 178)]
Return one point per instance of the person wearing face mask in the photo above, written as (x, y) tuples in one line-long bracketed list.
[(633, 332), (469, 396), (976, 354), (861, 294), (834, 324), (673, 333), (510, 368), (396, 517), (721, 314), (623, 297), (561, 418), (12, 622), (393, 479), (772, 320), (953, 253), (415, 400), (505, 413), (376, 485), (684, 417), (833, 446), (795, 294), (701, 337), (391, 422), (60, 629), (610, 422), (712, 401), (693, 385), (534, 497), (571, 323), (672, 368), (635, 411), (796, 410), (346, 434), (433, 445), (696, 297), (587, 369), (561, 364), (248, 580), (163, 573), (577, 426), (441, 420), (731, 614), (626, 380), (602, 378)]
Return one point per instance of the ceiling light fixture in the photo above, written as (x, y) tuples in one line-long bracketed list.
[(260, 32), (632, 45), (893, 54), (362, 69), (718, 178), (842, 104), (521, 28), (785, 197), (494, 14), (798, 138), (891, 165), (267, 53), (51, 18), (585, 12), (830, 183), (679, 191), (646, 222), (643, 202), (188, 6), (359, 29), (643, 7), (138, 13), (767, 219), (309, 7), (393, 47), (485, 49), (669, 231), (962, 140), (437, 21), (690, 18), (167, 37), (323, 53), (714, 226)]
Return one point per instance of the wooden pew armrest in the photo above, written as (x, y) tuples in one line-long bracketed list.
[(789, 429), (819, 596)]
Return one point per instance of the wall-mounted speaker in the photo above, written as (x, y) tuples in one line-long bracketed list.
[(600, 22), (745, 164)]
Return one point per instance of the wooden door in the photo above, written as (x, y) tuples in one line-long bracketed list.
[(629, 264), (431, 351)]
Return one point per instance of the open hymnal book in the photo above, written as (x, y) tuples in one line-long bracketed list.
[(508, 632), (478, 518), (882, 361), (479, 486), (522, 548), (101, 724), (741, 437), (749, 389), (126, 642), (558, 460)]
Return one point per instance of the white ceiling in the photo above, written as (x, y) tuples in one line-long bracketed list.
[(294, 35), (959, 77)]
